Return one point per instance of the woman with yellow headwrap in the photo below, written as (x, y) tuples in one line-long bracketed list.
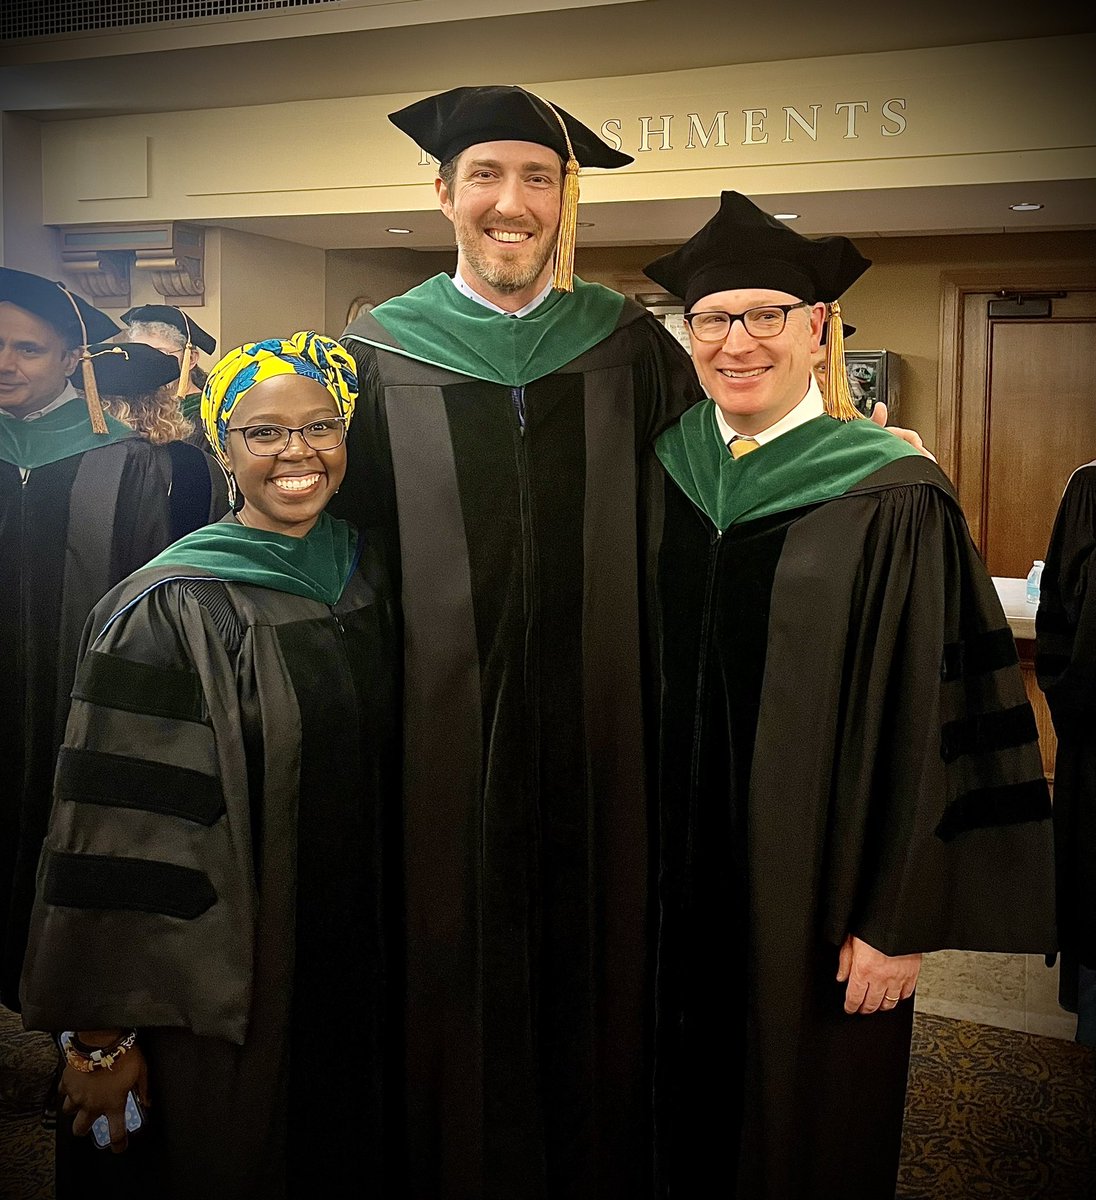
[(210, 903)]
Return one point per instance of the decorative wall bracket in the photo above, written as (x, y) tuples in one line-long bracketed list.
[(100, 258), (176, 271), (103, 275)]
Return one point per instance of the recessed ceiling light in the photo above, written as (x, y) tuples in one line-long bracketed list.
[(396, 230), (584, 224), (786, 216), (1027, 206)]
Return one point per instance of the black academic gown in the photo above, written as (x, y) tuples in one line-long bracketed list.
[(69, 531), (1065, 661), (846, 748), (214, 875), (525, 557)]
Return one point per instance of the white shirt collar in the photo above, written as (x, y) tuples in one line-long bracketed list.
[(807, 409), (466, 289), (69, 393)]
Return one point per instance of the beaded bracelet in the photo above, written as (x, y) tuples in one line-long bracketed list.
[(102, 1059)]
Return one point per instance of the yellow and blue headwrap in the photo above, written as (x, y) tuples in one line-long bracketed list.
[(309, 354)]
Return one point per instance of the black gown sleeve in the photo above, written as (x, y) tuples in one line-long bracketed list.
[(941, 832), (145, 908)]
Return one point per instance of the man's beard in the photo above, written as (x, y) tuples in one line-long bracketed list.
[(504, 276)]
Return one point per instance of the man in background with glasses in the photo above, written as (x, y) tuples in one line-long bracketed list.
[(850, 772)]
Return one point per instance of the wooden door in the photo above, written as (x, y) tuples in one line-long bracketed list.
[(1040, 425)]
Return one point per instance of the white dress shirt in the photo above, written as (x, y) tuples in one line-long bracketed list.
[(466, 289), (807, 409), (68, 394)]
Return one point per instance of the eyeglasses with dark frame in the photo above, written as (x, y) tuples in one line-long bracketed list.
[(268, 440), (765, 321)]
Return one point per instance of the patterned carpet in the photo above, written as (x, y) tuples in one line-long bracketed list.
[(990, 1115), (996, 1114)]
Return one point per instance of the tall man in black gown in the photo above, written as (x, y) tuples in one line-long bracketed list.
[(504, 440), (850, 770)]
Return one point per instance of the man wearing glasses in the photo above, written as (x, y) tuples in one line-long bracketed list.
[(850, 768)]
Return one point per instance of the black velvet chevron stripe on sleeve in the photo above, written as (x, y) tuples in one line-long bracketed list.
[(90, 777), (1009, 804), (134, 884), (988, 732), (979, 655), (139, 687)]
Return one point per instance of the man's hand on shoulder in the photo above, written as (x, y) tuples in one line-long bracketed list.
[(879, 416)]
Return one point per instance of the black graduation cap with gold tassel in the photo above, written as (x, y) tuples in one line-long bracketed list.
[(448, 123), (743, 247), (195, 336), (76, 321)]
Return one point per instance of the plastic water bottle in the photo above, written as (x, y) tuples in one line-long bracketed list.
[(1034, 579)]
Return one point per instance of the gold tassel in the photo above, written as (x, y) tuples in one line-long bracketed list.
[(91, 395), (91, 388), (184, 368), (564, 278), (837, 398), (184, 373)]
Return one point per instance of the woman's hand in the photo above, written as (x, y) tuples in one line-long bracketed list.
[(877, 982), (90, 1096)]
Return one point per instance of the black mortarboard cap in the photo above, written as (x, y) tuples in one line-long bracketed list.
[(132, 368), (445, 124), (53, 302), (743, 247), (168, 314)]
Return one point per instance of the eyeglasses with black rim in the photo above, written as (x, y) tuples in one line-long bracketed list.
[(268, 440), (765, 321)]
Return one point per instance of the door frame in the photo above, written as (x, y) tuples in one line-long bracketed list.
[(963, 377)]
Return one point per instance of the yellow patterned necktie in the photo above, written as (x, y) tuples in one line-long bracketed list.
[(742, 445)]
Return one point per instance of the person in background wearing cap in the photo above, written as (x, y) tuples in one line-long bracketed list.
[(850, 767), (138, 384), (173, 331), (212, 922), (83, 501), (818, 358), (504, 433)]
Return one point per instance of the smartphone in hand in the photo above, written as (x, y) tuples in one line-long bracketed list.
[(135, 1118), (100, 1128)]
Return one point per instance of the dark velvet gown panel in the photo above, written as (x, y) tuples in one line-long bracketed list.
[(522, 558)]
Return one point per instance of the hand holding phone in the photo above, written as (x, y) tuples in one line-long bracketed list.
[(135, 1118), (106, 1102)]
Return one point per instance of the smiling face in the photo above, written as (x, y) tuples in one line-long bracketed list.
[(34, 362), (286, 492), (504, 204), (756, 381)]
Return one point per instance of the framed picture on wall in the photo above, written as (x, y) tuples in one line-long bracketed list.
[(873, 376)]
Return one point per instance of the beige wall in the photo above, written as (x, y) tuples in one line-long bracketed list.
[(990, 113), (269, 288), (25, 243), (896, 305), (376, 275)]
